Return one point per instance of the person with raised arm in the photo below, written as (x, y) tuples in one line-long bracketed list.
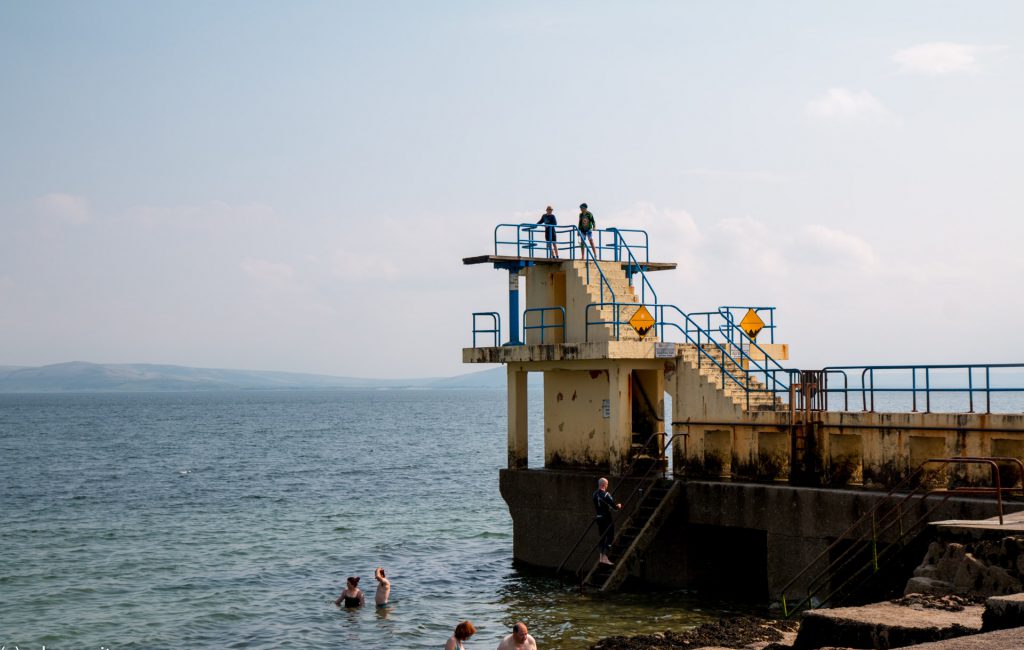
[(383, 587)]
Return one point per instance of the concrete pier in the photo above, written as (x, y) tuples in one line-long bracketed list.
[(746, 539)]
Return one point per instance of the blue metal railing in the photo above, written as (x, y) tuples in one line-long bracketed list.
[(544, 326), (730, 337), (736, 355), (588, 255), (633, 265), (495, 330), (527, 240), (927, 381), (631, 248)]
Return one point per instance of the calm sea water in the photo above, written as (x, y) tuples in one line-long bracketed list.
[(231, 520)]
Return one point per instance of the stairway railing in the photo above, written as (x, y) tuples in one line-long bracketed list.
[(888, 513), (633, 267), (644, 480), (770, 368)]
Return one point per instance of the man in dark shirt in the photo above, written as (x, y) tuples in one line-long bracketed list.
[(549, 221), (604, 504), (586, 226)]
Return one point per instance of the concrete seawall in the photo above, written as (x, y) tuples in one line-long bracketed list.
[(747, 539)]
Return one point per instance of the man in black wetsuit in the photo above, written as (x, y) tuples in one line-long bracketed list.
[(604, 504)]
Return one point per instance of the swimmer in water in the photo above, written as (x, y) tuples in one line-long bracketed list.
[(463, 631), (520, 639), (352, 596), (383, 588)]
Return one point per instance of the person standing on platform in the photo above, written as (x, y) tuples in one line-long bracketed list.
[(604, 504), (586, 226), (520, 639), (549, 221), (383, 588)]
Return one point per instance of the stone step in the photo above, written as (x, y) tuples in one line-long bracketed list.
[(885, 623)]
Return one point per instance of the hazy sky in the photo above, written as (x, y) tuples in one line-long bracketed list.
[(292, 185)]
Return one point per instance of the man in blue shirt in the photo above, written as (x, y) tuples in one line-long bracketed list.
[(549, 221)]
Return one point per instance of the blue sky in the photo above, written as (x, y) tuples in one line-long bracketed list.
[(292, 186)]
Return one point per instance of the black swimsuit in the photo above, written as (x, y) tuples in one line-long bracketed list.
[(351, 602)]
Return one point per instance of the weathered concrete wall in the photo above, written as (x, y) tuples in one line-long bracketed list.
[(575, 429), (873, 449), (717, 526), (695, 398), (545, 287)]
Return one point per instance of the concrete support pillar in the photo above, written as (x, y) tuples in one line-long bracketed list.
[(620, 434), (518, 439)]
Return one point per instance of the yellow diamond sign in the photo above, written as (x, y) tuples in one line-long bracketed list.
[(642, 321), (752, 324)]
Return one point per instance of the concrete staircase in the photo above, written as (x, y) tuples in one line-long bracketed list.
[(710, 366), (635, 534), (576, 273)]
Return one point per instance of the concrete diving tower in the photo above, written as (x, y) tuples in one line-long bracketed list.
[(592, 324), (758, 469)]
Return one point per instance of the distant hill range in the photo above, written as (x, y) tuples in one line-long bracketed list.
[(78, 376)]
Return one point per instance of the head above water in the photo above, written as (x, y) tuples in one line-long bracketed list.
[(519, 632), (353, 581), (464, 630)]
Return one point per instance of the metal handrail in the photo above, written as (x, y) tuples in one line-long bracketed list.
[(868, 389), (727, 315), (622, 237), (876, 516), (775, 390), (496, 330), (633, 266), (542, 327), (621, 478), (604, 280), (768, 361), (526, 239)]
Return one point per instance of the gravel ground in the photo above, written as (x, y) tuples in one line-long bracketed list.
[(739, 632)]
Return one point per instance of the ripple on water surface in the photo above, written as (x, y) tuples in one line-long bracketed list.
[(232, 520)]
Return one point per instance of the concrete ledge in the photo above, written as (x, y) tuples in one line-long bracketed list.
[(1003, 612), (595, 350), (883, 625), (1000, 640)]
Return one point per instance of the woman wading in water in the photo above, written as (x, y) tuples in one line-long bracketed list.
[(352, 596), (463, 631)]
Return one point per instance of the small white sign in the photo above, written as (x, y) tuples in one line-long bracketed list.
[(513, 282), (664, 350), (606, 408)]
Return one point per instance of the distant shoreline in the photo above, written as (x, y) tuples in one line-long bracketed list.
[(85, 377)]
